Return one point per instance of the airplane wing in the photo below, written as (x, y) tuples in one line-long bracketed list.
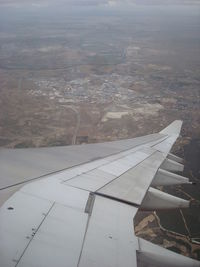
[(30, 164), (83, 214)]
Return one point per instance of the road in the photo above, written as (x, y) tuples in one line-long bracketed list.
[(77, 123)]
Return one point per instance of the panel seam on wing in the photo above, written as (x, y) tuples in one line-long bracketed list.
[(35, 232), (126, 171)]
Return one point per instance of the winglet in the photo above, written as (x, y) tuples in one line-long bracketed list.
[(173, 128)]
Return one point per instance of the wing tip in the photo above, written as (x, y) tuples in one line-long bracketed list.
[(173, 128)]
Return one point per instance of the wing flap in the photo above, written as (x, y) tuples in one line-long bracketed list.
[(133, 184), (109, 239), (105, 173)]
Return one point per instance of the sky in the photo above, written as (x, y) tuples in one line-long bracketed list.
[(42, 3)]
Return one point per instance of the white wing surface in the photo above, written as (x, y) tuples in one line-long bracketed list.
[(81, 212), (19, 166)]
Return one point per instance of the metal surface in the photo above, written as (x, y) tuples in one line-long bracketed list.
[(164, 177), (110, 239), (34, 163), (7, 193), (133, 185), (92, 180), (58, 241), (173, 129), (51, 189), (20, 216), (173, 166), (116, 166), (173, 132), (156, 199), (166, 145), (29, 163), (175, 158), (154, 256)]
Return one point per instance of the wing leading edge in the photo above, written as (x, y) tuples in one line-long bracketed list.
[(83, 216)]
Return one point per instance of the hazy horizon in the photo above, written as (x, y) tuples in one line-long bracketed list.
[(45, 3)]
